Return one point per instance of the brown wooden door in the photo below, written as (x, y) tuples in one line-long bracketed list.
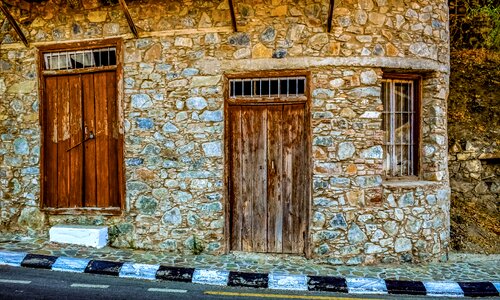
[(81, 141), (268, 178)]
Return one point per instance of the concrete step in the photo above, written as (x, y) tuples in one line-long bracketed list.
[(84, 235)]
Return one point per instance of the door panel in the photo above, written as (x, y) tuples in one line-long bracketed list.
[(268, 178), (81, 141)]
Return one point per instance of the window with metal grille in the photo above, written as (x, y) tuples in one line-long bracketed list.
[(68, 60), (278, 87), (400, 125)]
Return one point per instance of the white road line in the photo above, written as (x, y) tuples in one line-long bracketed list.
[(84, 285), (166, 290), (15, 281)]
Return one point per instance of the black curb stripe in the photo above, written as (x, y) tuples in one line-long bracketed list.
[(253, 280), (175, 274), (402, 287), (38, 261), (104, 267), (328, 284), (478, 289)]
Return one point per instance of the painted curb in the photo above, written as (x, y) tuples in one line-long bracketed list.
[(277, 281)]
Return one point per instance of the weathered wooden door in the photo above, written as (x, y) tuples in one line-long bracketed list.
[(268, 178), (81, 141)]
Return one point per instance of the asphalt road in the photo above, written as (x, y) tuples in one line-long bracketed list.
[(24, 283)]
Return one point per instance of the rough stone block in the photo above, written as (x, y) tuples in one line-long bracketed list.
[(91, 236)]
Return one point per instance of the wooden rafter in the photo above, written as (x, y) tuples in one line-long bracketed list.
[(233, 17), (14, 24), (130, 21), (330, 15)]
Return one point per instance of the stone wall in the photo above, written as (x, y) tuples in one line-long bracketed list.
[(173, 119)]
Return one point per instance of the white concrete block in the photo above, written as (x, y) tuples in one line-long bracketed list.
[(91, 236), (279, 281), (141, 271), (443, 289), (70, 264), (366, 286), (212, 277), (12, 258)]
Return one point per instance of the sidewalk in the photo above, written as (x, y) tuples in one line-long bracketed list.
[(460, 267)]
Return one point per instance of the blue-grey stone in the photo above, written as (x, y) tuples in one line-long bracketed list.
[(239, 39), (322, 115), (362, 92), (323, 141), (406, 199), (323, 249), (172, 217), (355, 235), (190, 72), (378, 50), (181, 196), (268, 35), (214, 197), (146, 205), (163, 67), (186, 148), (373, 152), (212, 149), (369, 181), (338, 221), (328, 235), (213, 246), (323, 93), (402, 245), (169, 128), (197, 103), (141, 101), (210, 208), (143, 43), (21, 146), (136, 186), (158, 96), (134, 161), (145, 123), (195, 174), (280, 53), (7, 137), (345, 150), (169, 164), (211, 116), (151, 149), (322, 202), (30, 171), (340, 182), (129, 83), (160, 193)]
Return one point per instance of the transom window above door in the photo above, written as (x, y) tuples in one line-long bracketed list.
[(278, 87), (69, 60)]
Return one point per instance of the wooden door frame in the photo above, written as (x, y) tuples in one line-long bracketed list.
[(118, 69), (227, 142)]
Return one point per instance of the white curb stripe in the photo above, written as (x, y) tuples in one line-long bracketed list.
[(497, 285), (12, 258), (166, 290), (212, 277), (15, 281), (140, 271), (84, 285), (443, 289), (70, 264), (366, 286), (279, 281)]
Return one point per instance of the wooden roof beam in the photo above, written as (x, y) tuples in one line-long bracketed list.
[(130, 21), (330, 15), (14, 24), (233, 17)]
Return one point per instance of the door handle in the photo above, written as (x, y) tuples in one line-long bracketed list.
[(91, 137)]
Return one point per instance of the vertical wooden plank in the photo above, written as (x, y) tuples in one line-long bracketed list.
[(235, 157), (274, 166), (89, 159), (63, 139), (294, 171), (113, 135), (75, 151), (259, 201), (247, 175), (50, 142), (102, 140)]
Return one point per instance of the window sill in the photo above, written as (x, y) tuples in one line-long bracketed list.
[(409, 183)]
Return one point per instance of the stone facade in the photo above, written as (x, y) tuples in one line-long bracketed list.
[(172, 104)]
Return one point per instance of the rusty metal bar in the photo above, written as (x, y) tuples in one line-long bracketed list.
[(14, 24), (130, 21), (233, 17), (330, 15)]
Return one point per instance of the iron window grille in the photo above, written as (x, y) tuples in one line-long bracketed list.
[(277, 87), (69, 60), (400, 126)]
